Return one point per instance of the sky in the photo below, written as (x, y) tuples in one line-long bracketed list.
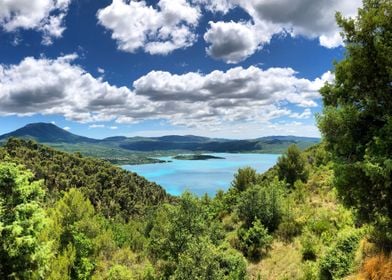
[(219, 68)]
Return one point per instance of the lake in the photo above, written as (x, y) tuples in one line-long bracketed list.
[(201, 176)]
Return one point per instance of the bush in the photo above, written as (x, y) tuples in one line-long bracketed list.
[(310, 246), (254, 241), (289, 228), (292, 166), (244, 178), (204, 261), (338, 261), (263, 203), (23, 255), (310, 271)]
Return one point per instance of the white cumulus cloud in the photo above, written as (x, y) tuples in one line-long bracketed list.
[(234, 42), (46, 16), (157, 30), (209, 101)]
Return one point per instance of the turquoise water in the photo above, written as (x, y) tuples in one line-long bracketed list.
[(201, 176)]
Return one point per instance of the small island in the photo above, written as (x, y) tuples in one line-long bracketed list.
[(196, 157)]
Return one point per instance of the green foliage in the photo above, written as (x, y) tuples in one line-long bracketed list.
[(339, 259), (310, 271), (263, 203), (22, 218), (175, 227), (129, 234), (112, 190), (244, 178), (76, 229), (199, 261), (356, 122), (310, 247), (123, 264), (204, 261), (255, 240), (289, 227), (292, 166), (186, 242)]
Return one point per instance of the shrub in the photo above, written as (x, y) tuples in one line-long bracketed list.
[(244, 178), (22, 219), (310, 270), (338, 261), (204, 261), (289, 228), (254, 241), (120, 272), (310, 246), (263, 203), (292, 166)]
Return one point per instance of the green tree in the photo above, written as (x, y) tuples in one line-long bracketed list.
[(202, 261), (22, 218), (244, 178), (339, 259), (263, 203), (76, 228), (173, 229), (292, 166), (357, 118), (199, 261), (255, 240)]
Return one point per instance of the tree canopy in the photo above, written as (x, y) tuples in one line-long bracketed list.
[(357, 119)]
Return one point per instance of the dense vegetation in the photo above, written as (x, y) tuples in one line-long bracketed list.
[(58, 226), (112, 190), (63, 216)]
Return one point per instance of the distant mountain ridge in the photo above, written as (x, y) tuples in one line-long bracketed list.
[(51, 134), (47, 133)]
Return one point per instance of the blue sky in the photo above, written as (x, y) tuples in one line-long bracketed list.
[(220, 68)]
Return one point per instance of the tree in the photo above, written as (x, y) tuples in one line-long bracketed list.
[(255, 240), (292, 166), (263, 203), (202, 260), (244, 178), (75, 228), (22, 218), (174, 228), (357, 118)]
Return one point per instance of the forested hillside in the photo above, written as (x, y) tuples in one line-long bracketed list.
[(112, 190)]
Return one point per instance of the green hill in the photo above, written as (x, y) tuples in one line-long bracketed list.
[(112, 190)]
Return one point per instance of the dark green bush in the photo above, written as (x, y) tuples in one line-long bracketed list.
[(338, 261), (292, 166), (244, 178), (255, 241), (263, 203)]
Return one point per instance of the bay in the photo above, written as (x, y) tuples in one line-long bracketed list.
[(201, 176)]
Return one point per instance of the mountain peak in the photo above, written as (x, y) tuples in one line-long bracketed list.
[(46, 133)]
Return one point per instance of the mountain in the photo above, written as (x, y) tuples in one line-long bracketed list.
[(130, 150), (47, 133)]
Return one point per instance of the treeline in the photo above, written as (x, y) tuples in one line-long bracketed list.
[(113, 191)]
